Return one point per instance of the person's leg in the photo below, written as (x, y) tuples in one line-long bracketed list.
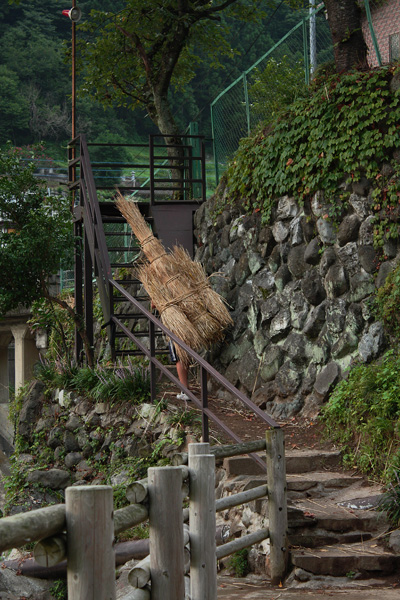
[(182, 373)]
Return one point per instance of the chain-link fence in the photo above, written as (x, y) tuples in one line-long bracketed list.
[(381, 29), (283, 73)]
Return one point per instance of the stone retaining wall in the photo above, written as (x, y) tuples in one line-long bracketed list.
[(300, 291)]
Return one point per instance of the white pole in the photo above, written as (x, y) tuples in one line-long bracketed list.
[(313, 38), (90, 534), (203, 565)]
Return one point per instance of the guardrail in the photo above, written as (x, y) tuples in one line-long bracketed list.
[(96, 256), (176, 551)]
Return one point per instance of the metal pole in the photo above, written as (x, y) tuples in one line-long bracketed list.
[(246, 99), (214, 145), (372, 32), (313, 38), (73, 116), (305, 52), (204, 402)]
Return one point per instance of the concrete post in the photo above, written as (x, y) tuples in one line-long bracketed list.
[(26, 354)]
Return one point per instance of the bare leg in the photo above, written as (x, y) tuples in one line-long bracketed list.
[(182, 373)]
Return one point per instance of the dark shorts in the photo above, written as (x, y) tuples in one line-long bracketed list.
[(172, 353)]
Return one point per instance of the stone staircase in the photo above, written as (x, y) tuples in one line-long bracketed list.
[(335, 529)]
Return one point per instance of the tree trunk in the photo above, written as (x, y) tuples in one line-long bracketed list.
[(169, 130), (350, 49)]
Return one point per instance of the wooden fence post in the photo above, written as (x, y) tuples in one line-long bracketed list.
[(203, 564), (166, 533), (90, 533), (277, 505)]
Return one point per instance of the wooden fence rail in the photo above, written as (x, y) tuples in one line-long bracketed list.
[(90, 525)]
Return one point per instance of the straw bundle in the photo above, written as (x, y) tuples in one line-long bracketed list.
[(175, 281), (198, 279), (151, 246), (171, 315)]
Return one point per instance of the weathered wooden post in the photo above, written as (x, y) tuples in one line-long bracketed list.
[(166, 533), (203, 564), (277, 505), (90, 533)]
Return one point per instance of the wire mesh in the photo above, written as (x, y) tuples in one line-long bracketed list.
[(281, 75), (383, 38), (275, 79)]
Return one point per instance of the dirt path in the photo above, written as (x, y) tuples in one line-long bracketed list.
[(300, 433), (239, 589)]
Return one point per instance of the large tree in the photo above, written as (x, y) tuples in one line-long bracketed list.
[(135, 55), (350, 49)]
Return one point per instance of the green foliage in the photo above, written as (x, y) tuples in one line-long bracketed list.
[(50, 316), (277, 86), (346, 129), (363, 415), (137, 53), (59, 590), (119, 383), (184, 417), (387, 303), (238, 562), (37, 234), (391, 500)]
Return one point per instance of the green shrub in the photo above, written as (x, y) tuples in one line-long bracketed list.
[(277, 86), (391, 501), (387, 303), (124, 382), (239, 563), (59, 590), (347, 128), (363, 415)]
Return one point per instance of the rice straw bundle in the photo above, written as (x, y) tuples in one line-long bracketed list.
[(173, 280), (151, 246), (171, 315), (198, 279)]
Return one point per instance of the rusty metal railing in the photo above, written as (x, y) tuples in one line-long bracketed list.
[(88, 222)]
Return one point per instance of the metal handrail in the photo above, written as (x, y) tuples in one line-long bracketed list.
[(94, 234)]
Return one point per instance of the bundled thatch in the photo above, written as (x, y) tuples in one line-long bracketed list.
[(174, 281), (198, 280)]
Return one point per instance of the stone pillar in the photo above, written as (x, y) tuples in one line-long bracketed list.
[(6, 428), (5, 339), (26, 354)]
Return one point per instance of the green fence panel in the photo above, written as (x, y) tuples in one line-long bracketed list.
[(277, 77)]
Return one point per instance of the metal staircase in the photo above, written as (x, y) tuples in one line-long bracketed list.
[(104, 253)]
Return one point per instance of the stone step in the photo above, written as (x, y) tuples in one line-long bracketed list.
[(318, 484), (326, 514), (316, 538), (297, 461), (367, 559)]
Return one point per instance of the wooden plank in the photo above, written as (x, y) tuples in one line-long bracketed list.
[(166, 533), (243, 542), (181, 458), (90, 534), (277, 503), (129, 516), (32, 526), (203, 565), (238, 449), (241, 498), (50, 551)]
